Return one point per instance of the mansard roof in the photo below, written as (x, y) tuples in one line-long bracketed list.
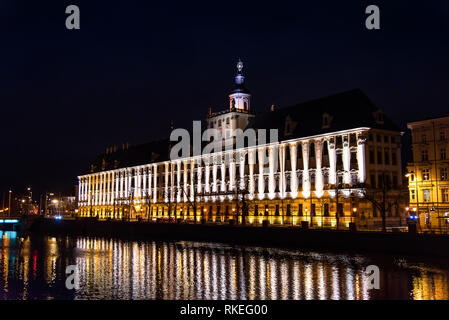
[(342, 111)]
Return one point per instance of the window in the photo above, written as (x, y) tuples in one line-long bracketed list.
[(266, 209), (443, 174), (373, 180), (426, 195), (395, 181), (370, 137), (393, 140), (386, 139), (443, 154), (256, 210), (387, 157), (426, 174), (227, 120), (394, 160), (445, 195), (378, 138), (371, 157), (340, 210), (300, 210), (412, 194), (380, 181), (288, 209), (423, 138), (313, 210), (326, 209), (424, 155), (379, 157), (277, 210), (442, 136)]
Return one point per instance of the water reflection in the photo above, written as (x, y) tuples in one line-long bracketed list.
[(34, 268)]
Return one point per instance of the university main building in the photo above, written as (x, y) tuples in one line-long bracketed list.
[(337, 160)]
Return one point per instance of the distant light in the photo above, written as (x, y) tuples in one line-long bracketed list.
[(58, 217)]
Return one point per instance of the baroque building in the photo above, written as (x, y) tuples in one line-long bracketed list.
[(428, 180), (331, 164)]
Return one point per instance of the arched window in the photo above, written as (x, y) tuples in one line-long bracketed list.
[(245, 105), (233, 103)]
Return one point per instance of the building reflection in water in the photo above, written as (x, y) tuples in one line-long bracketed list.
[(34, 268)]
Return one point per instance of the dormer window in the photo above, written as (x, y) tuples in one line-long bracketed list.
[(289, 126), (326, 122), (379, 116)]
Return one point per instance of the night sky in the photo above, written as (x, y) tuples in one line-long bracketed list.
[(66, 95)]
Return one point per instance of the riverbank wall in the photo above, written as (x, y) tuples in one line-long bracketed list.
[(273, 236)]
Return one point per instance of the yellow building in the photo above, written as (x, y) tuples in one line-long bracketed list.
[(428, 173)]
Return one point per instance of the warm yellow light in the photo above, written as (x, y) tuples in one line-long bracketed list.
[(414, 209), (54, 201), (137, 207), (407, 209), (354, 209)]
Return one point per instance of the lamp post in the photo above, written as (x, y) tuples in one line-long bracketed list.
[(9, 203)]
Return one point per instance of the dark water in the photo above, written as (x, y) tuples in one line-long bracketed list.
[(33, 267)]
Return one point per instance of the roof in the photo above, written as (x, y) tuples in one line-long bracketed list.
[(346, 110)]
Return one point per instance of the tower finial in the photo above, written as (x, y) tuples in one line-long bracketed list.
[(240, 66)]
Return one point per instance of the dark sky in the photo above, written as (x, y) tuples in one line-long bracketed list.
[(65, 95)]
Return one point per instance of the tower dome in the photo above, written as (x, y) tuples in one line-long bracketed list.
[(239, 99)]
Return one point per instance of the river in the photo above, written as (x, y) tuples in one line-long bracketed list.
[(34, 267)]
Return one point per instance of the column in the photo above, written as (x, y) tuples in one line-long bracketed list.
[(122, 184), (361, 160), (144, 192), (80, 190), (199, 177), (172, 182), (319, 183), (108, 188), (149, 189), (166, 195), (155, 183), (242, 156), (272, 168), (100, 199), (251, 162), (136, 182), (305, 172), (130, 176), (214, 174), (184, 187), (293, 174), (261, 184), (117, 185), (125, 191), (282, 179), (206, 176), (89, 184), (223, 177), (178, 182), (192, 179), (332, 160), (232, 170), (346, 160)]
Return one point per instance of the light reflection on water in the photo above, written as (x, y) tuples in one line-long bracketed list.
[(34, 268)]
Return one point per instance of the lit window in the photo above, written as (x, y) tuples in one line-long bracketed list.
[(426, 195), (426, 174), (443, 154), (445, 195), (443, 174), (412, 194)]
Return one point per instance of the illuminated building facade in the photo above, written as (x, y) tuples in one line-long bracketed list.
[(332, 154), (428, 181)]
